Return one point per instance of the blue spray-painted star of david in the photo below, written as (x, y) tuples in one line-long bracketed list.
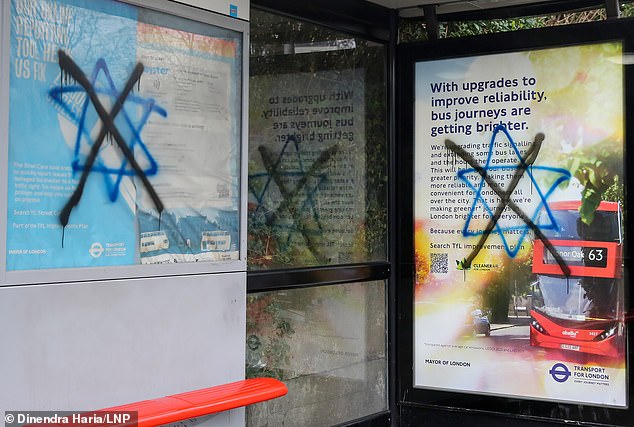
[(85, 118), (308, 204), (547, 223)]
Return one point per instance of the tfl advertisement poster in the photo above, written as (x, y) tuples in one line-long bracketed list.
[(124, 137), (518, 231)]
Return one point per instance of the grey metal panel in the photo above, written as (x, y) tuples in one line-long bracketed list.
[(220, 6), (119, 335), (4, 126), (92, 345)]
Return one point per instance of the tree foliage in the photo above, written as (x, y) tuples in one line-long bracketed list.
[(415, 30), (515, 275)]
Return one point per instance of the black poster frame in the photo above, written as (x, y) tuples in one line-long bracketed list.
[(448, 407)]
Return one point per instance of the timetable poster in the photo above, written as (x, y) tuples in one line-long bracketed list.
[(518, 232), (124, 137)]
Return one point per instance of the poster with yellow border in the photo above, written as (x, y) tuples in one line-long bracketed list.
[(518, 234)]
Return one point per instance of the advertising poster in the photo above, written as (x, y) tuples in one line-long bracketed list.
[(306, 163), (518, 231), (124, 137)]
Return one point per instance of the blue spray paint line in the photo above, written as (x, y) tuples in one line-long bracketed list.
[(276, 169), (550, 224)]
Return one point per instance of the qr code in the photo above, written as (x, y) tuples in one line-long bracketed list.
[(439, 263)]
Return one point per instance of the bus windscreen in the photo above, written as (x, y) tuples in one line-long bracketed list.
[(569, 226), (577, 298)]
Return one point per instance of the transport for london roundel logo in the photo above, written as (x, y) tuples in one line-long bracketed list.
[(559, 372), (96, 250)]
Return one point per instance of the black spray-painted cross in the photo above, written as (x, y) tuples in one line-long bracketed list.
[(67, 65), (290, 195)]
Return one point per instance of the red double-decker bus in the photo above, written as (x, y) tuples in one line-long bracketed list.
[(582, 311)]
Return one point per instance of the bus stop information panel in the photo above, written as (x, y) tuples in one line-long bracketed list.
[(123, 254)]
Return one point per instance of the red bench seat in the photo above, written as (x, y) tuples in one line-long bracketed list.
[(197, 403)]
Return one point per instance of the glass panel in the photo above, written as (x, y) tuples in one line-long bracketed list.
[(328, 344), (317, 146), (124, 137)]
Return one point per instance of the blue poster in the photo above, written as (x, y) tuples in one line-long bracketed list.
[(109, 158)]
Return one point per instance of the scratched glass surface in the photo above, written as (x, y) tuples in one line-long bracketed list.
[(317, 146), (328, 345)]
